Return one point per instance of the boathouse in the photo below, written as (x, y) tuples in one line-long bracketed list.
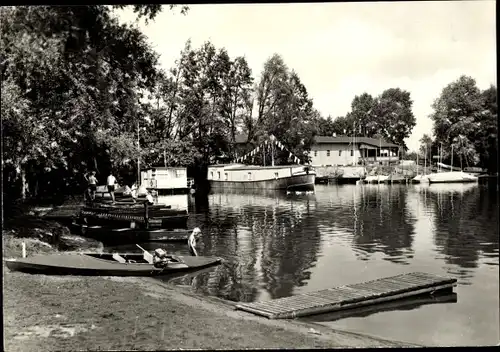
[(345, 151)]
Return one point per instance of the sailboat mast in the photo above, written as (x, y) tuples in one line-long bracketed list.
[(417, 163), (272, 154), (353, 143), (440, 156), (451, 168), (138, 156), (425, 160)]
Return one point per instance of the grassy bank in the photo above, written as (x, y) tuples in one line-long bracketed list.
[(104, 313), (81, 313)]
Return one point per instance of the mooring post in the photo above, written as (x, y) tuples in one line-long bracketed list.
[(24, 249), (146, 217)]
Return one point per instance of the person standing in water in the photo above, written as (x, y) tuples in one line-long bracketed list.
[(111, 181), (192, 241)]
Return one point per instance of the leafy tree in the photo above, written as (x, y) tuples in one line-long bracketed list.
[(74, 72), (486, 140), (237, 89), (284, 109), (458, 114), (362, 114), (425, 149), (324, 126), (343, 126), (393, 115)]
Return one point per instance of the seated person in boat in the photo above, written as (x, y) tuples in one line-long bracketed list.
[(160, 259), (192, 241)]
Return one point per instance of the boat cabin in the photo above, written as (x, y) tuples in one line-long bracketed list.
[(249, 173)]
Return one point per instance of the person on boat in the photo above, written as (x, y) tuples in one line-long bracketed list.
[(92, 185), (149, 198), (192, 241), (160, 259), (111, 181)]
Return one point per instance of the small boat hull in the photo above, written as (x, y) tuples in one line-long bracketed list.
[(420, 179), (452, 177), (102, 265), (299, 183), (164, 218), (124, 235)]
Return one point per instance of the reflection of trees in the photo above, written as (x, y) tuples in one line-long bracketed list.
[(384, 218), (377, 216), (466, 222), (270, 241)]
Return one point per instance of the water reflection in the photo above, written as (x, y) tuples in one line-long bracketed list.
[(270, 240), (465, 224), (374, 217), (277, 245), (399, 305)]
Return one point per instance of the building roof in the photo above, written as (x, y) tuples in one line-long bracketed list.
[(346, 140)]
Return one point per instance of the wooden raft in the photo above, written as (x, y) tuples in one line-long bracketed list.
[(350, 296)]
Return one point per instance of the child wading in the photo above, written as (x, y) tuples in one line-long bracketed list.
[(192, 241)]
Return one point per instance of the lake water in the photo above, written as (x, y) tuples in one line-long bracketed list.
[(279, 245)]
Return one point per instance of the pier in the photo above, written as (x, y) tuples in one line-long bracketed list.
[(351, 296)]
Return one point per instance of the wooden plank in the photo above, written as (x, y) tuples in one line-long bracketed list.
[(283, 304), (305, 300), (280, 307), (408, 280), (372, 288), (412, 278), (411, 284), (403, 284), (327, 296), (369, 288), (396, 284), (342, 292), (324, 295), (257, 311), (264, 308), (383, 286), (336, 307), (344, 297)]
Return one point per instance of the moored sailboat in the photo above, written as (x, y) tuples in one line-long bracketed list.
[(451, 176)]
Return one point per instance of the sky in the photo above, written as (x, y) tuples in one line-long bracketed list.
[(341, 49)]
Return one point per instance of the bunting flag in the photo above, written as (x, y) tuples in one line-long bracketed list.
[(273, 141)]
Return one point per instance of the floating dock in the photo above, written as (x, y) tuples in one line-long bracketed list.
[(351, 296)]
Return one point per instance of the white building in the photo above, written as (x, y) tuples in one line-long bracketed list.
[(345, 151), (165, 180)]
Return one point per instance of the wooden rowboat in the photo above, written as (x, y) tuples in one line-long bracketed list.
[(130, 235), (106, 264), (167, 218)]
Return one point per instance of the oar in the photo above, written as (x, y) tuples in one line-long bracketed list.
[(146, 255)]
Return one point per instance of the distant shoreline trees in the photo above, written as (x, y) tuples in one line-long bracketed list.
[(81, 91)]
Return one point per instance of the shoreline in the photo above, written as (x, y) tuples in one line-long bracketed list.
[(86, 312)]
